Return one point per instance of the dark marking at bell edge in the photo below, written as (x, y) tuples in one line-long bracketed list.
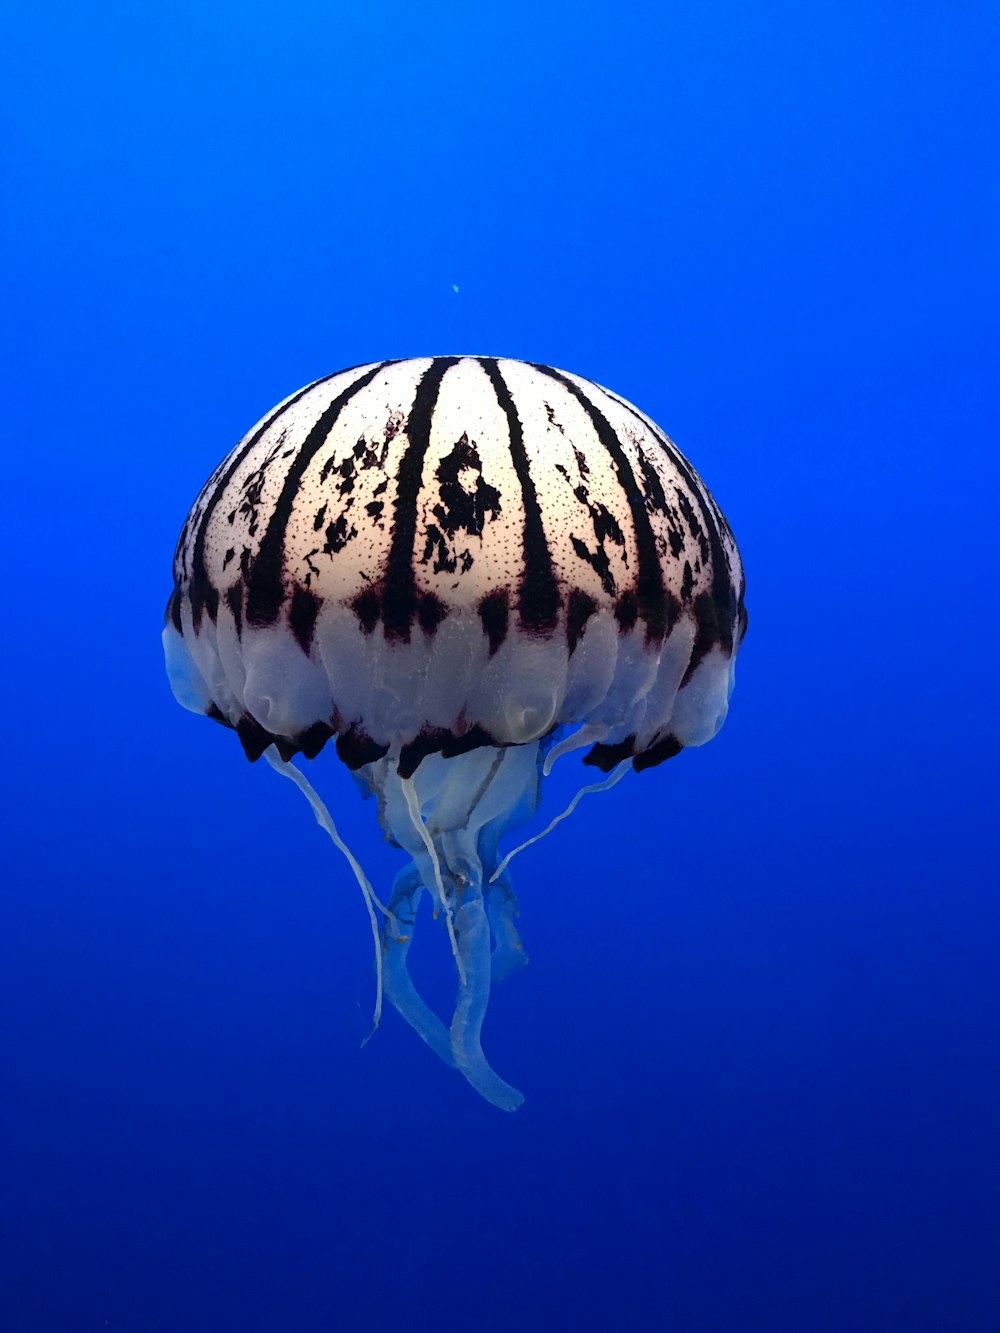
[(253, 737), (657, 754), (607, 757), (174, 611), (470, 740), (580, 607), (627, 611), (708, 633), (234, 600), (430, 612), (415, 751), (314, 738), (355, 748), (302, 616), (210, 600), (494, 612), (217, 715), (440, 740), (367, 607)]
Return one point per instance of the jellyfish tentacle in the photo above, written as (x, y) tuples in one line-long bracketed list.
[(473, 932), (614, 776), (576, 740), (400, 991), (416, 818), (325, 821)]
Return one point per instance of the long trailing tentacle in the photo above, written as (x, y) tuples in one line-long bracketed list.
[(325, 821), (417, 819), (614, 776), (576, 740)]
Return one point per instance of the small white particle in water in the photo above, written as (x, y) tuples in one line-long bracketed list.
[(454, 286)]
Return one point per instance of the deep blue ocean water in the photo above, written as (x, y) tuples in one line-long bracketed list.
[(758, 1036)]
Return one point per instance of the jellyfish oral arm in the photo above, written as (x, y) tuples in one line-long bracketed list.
[(473, 931), (449, 816), (450, 863), (399, 988)]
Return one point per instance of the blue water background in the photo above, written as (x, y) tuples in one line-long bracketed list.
[(759, 1032)]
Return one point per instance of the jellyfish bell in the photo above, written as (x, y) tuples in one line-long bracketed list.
[(454, 571)]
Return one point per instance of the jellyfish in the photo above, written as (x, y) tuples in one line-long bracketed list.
[(455, 571)]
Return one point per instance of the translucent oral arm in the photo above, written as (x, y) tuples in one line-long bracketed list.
[(508, 951), (397, 935), (473, 997)]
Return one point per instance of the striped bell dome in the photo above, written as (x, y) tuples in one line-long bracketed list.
[(426, 555)]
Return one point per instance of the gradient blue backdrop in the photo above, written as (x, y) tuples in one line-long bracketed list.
[(759, 1032)]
